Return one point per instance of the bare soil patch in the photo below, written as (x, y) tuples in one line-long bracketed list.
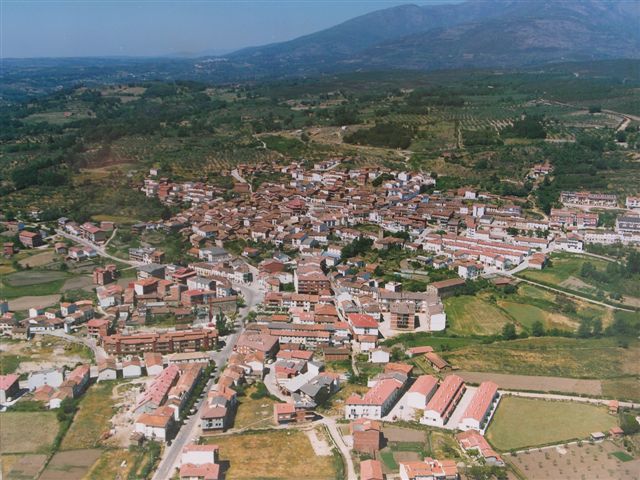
[(24, 303), (536, 383)]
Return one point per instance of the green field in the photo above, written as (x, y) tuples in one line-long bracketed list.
[(552, 356), (527, 422), (565, 272), (27, 432), (473, 316), (32, 282)]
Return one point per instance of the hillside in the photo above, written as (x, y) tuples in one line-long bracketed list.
[(471, 34)]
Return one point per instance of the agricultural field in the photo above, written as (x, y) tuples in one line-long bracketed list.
[(27, 432), (565, 273), (576, 461), (70, 465), (526, 422), (271, 454), (473, 316), (553, 356), (32, 282), (21, 467), (134, 462), (91, 421)]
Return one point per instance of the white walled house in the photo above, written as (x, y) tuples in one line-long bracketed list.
[(51, 377), (376, 403)]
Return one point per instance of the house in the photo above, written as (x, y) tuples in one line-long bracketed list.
[(132, 368), (284, 413), (421, 391), (52, 377), (30, 239), (198, 462), (9, 387), (371, 470), (207, 471), (153, 363), (379, 355), (157, 425), (367, 435), (444, 401), (437, 362), (614, 406), (471, 440), (107, 370), (215, 418), (477, 413), (363, 324), (429, 469)]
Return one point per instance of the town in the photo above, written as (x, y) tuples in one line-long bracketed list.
[(293, 307)]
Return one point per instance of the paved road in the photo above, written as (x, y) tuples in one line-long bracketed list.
[(99, 250), (339, 442), (191, 429)]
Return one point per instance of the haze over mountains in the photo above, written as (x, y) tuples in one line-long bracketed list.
[(478, 33), (475, 34)]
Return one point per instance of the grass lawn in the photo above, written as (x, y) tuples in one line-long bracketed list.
[(92, 418), (526, 422), (553, 356), (388, 460), (473, 316), (253, 413), (420, 339), (9, 363), (285, 454), (27, 432), (526, 315)]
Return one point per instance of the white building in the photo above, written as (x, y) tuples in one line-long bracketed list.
[(421, 391), (52, 377)]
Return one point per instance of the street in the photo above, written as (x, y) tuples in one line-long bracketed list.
[(191, 429)]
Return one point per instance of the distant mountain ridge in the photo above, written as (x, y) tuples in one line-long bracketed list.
[(482, 33)]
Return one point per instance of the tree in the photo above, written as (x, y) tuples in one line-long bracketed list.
[(584, 330), (537, 329), (509, 331), (596, 327)]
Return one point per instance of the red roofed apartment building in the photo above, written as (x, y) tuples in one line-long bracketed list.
[(376, 403), (421, 391), (443, 403), (478, 411)]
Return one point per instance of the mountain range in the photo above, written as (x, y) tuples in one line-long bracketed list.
[(477, 33)]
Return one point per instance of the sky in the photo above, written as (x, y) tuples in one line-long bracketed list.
[(54, 28)]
